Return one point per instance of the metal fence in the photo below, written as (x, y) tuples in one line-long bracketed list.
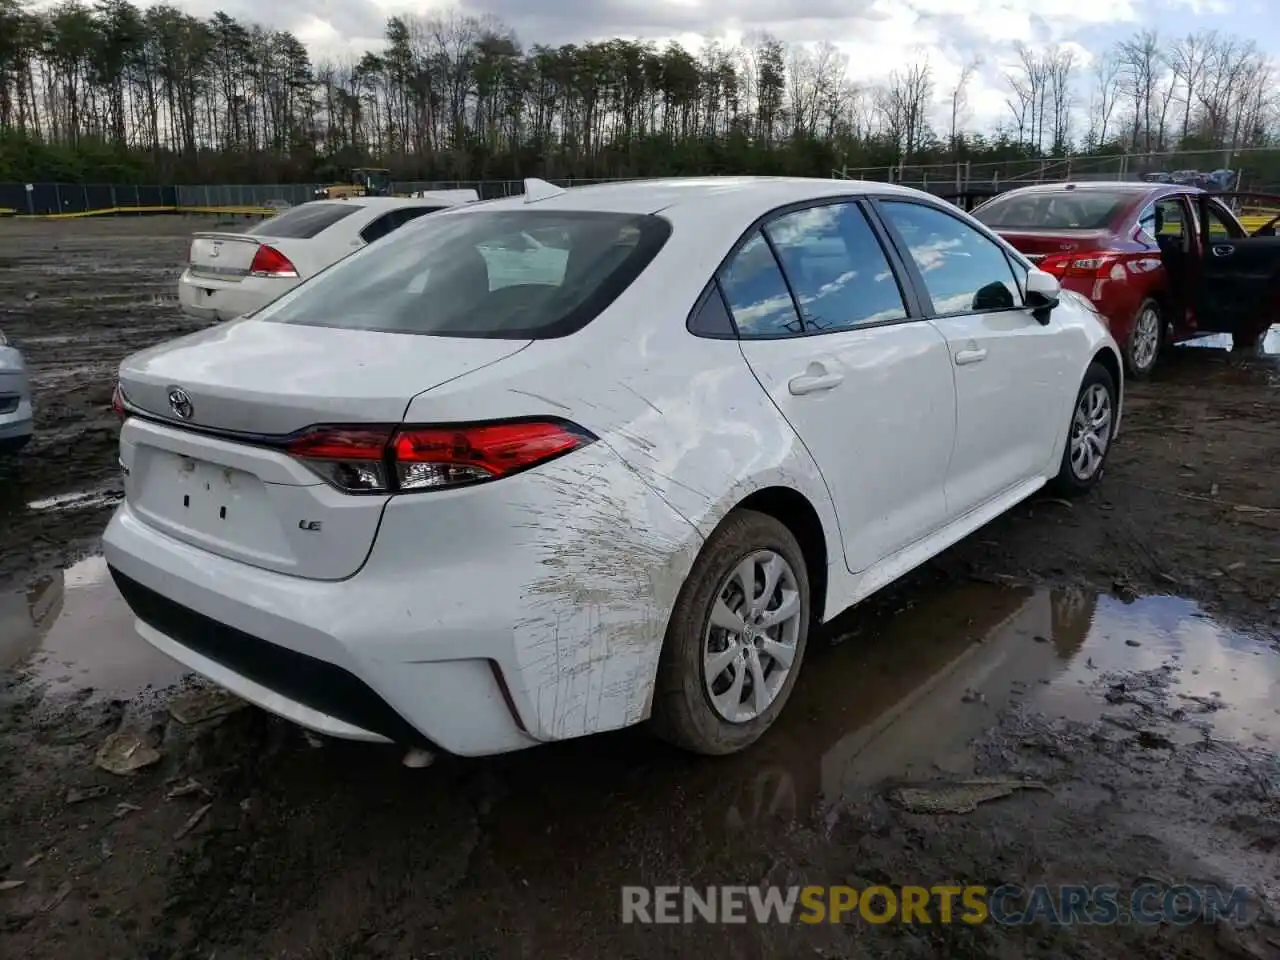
[(1256, 169), (67, 198), (71, 199)]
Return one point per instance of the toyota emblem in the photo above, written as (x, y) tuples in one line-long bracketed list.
[(180, 403)]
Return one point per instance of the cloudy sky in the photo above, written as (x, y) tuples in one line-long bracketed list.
[(878, 35)]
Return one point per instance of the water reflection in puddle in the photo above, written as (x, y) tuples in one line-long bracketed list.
[(907, 697), (900, 696), (72, 631)]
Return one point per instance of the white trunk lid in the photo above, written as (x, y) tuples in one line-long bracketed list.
[(219, 479), (222, 256)]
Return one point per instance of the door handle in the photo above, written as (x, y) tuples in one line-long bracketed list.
[(813, 383), (1222, 250), (975, 355)]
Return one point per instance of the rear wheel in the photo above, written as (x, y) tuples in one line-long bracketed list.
[(1093, 421), (1145, 340), (736, 637)]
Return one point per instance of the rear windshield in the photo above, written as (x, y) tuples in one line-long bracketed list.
[(303, 222), (502, 274), (1064, 210)]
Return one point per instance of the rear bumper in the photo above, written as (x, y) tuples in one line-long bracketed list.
[(310, 651), (15, 400), (485, 620), (217, 301)]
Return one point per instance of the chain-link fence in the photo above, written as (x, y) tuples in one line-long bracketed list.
[(1252, 169)]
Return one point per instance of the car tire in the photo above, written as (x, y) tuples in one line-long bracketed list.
[(722, 715), (1083, 463), (1146, 341)]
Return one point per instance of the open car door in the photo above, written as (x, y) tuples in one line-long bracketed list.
[(1238, 287)]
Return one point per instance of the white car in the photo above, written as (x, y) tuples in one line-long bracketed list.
[(15, 399), (232, 274), (440, 497)]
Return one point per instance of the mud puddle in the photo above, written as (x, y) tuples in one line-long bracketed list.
[(71, 632), (910, 695)]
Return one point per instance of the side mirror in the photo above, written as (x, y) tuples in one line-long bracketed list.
[(1043, 294)]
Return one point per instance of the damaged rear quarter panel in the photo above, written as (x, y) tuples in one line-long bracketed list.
[(607, 534)]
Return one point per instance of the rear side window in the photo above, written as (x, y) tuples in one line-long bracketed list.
[(837, 269), (757, 293), (393, 220), (502, 274), (304, 221)]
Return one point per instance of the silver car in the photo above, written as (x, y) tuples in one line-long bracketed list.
[(15, 399)]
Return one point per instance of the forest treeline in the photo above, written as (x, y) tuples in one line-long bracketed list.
[(111, 92)]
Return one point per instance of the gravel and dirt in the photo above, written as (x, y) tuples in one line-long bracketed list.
[(1118, 654)]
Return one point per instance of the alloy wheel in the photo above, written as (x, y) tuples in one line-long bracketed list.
[(1146, 339), (1090, 431), (750, 641)]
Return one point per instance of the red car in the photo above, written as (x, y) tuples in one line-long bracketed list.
[(1161, 262)]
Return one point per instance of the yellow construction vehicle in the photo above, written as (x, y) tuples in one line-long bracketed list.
[(365, 182)]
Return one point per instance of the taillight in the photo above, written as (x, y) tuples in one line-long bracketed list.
[(378, 460), (350, 458), (270, 262), (117, 402)]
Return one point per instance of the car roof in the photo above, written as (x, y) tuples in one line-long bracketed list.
[(652, 196), (389, 203), (1134, 187)]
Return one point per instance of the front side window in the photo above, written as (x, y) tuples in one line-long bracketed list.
[(837, 268), (963, 271), (482, 274)]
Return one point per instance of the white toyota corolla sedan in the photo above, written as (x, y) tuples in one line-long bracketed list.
[(553, 465)]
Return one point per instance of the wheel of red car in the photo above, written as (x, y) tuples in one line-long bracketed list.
[(1145, 340)]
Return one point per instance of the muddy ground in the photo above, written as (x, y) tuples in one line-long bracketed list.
[(1119, 653)]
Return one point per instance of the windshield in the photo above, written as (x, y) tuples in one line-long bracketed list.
[(1061, 210), (376, 180), (503, 274)]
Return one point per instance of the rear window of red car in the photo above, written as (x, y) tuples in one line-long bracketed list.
[(1060, 210)]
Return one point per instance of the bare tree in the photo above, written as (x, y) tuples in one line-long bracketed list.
[(1105, 94), (1028, 81), (1142, 71), (903, 105), (1189, 59), (960, 100), (1061, 64)]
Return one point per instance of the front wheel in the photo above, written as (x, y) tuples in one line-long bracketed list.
[(1093, 421), (736, 637), (1145, 340)]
